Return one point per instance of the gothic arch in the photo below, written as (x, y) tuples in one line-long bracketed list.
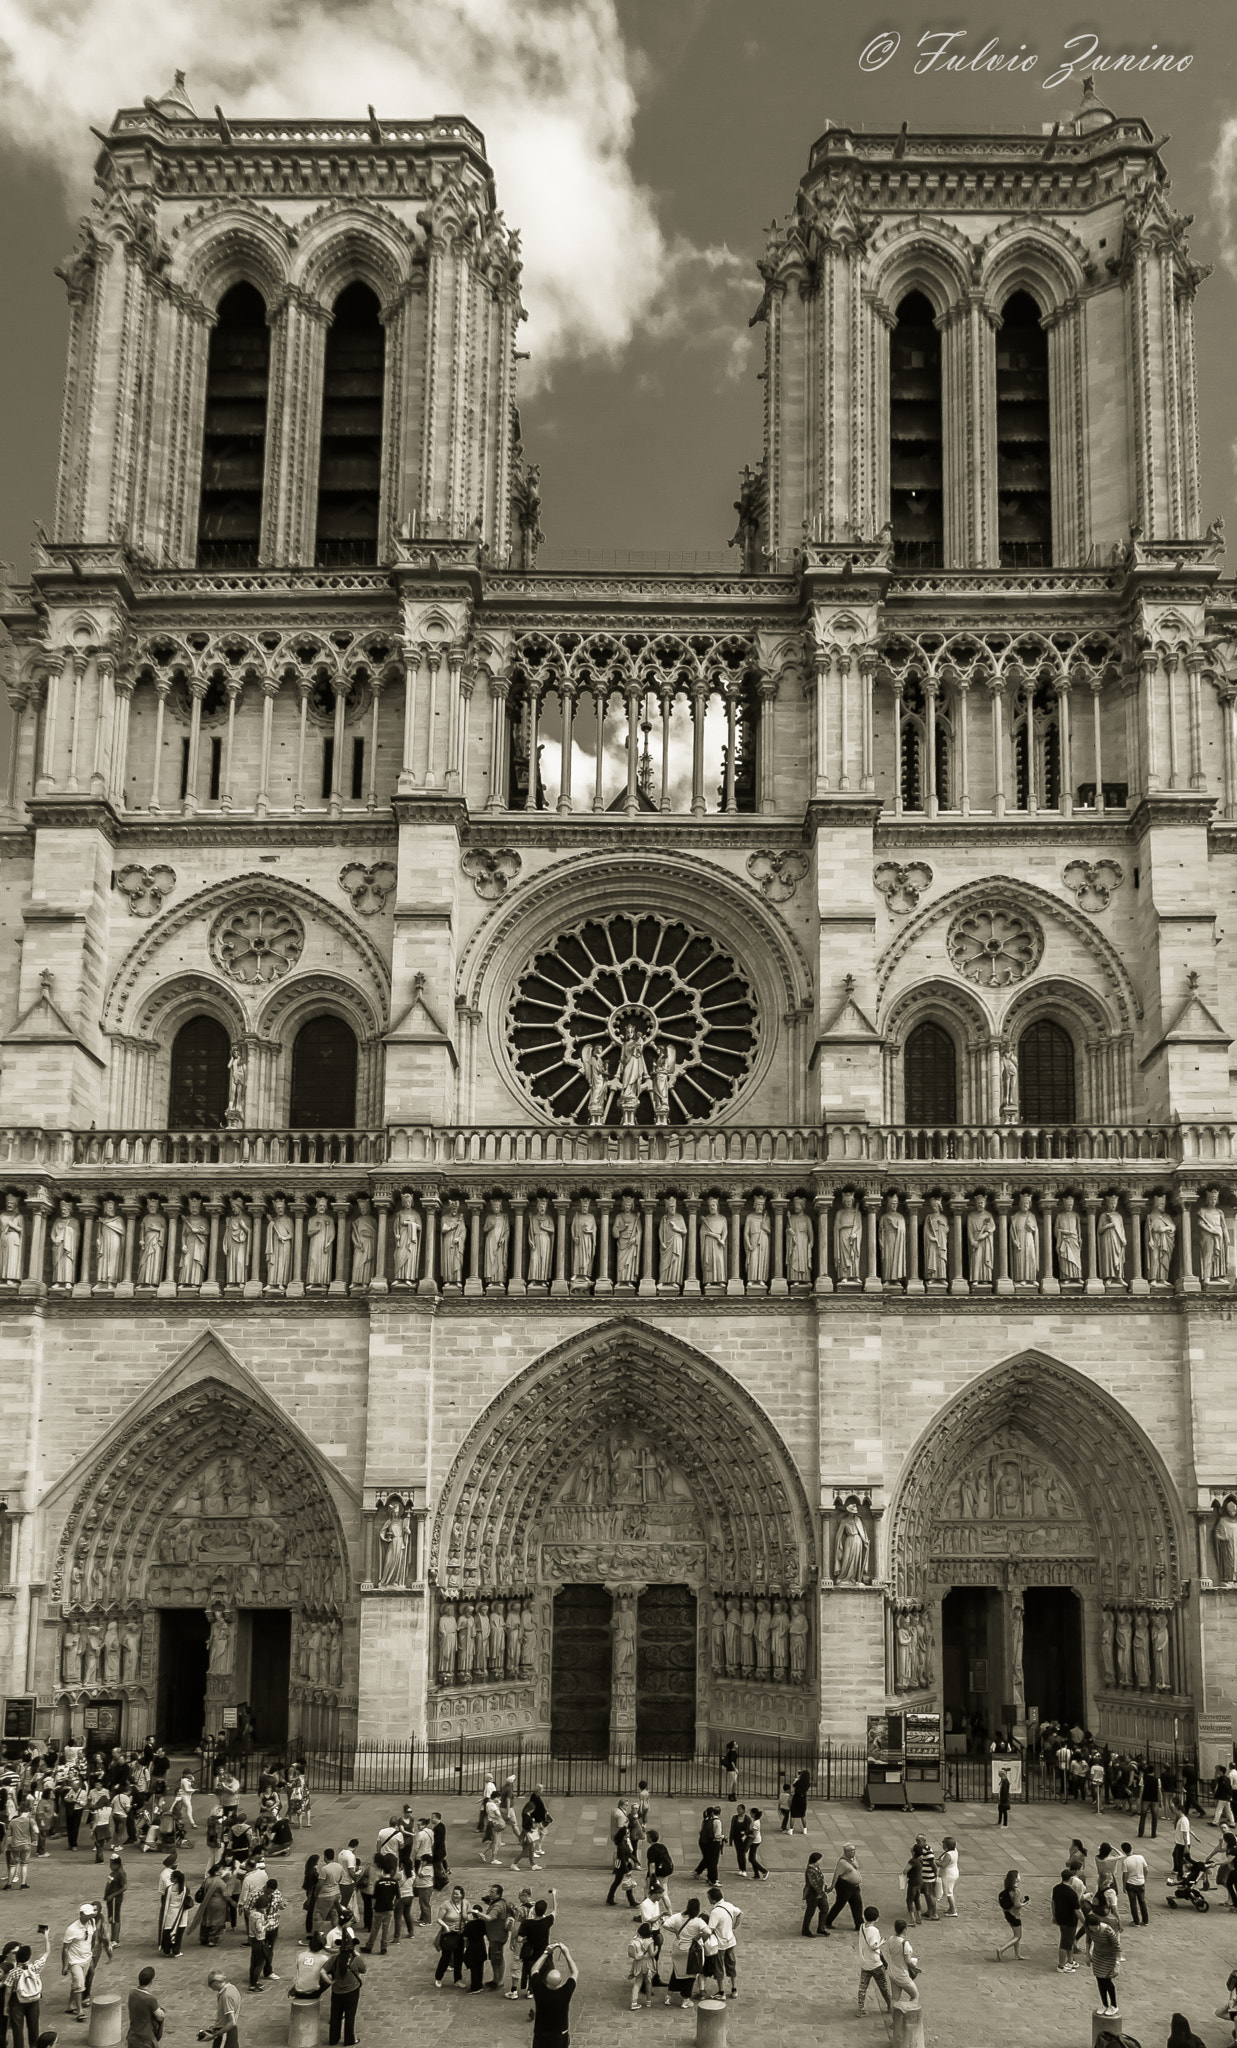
[(758, 1523), (343, 245), (294, 1003), (967, 1020), (229, 244), (1035, 257), (1088, 1436), (920, 255)]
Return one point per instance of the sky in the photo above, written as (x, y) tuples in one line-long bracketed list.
[(642, 147)]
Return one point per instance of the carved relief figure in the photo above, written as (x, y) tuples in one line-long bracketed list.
[(1142, 1648), (1212, 1239), (625, 1230), (451, 1242), (528, 1636), (407, 1242), (1123, 1638), (219, 1656), (12, 1230), (892, 1235), (800, 1239), (851, 1545), (672, 1239), (364, 1243), (109, 1245), (980, 1238), (747, 1633), (717, 1633), (71, 1654), (236, 1235), (65, 1236), (662, 1082), (583, 1240), (111, 1653), (481, 1647), (600, 1085), (1024, 1243), (1067, 1236), (152, 1234), (94, 1651), (279, 1245), (1108, 1665), (764, 1639), (756, 1243), (394, 1543), (540, 1242), (194, 1244), (467, 1640), (905, 1651), (847, 1237), (935, 1242), (799, 1626), (1110, 1230), (714, 1240), (1159, 1649), (513, 1626), (1224, 1540), (633, 1076), (320, 1233), (625, 1637), (131, 1638), (779, 1639), (496, 1231), (1161, 1237), (1009, 1083), (732, 1633)]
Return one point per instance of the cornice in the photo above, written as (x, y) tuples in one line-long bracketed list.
[(430, 807), (610, 834), (1173, 808), (223, 830), (66, 813), (862, 808), (1016, 831), (16, 842)]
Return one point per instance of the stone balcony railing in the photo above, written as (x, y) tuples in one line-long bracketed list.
[(503, 1211)]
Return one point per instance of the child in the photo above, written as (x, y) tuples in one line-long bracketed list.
[(640, 1958), (783, 1805), (754, 1863), (1011, 1902), (871, 1962), (915, 1882), (947, 1876)]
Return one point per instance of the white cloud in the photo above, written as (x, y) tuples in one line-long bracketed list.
[(1224, 194), (550, 83)]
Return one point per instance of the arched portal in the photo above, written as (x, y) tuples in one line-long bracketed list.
[(626, 1506), (201, 1563), (1035, 1559)]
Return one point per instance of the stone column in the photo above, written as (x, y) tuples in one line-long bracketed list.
[(519, 1210), (1003, 1203), (560, 1284), (1188, 1281), (430, 1203), (167, 1286), (131, 1208), (342, 1266), (648, 1214), (257, 1237), (210, 1279), (383, 1197), (1093, 1284), (604, 1284), (777, 1272), (1048, 1283), (87, 1209), (691, 1267), (823, 1200), (473, 1283), (734, 1284), (40, 1207), (1137, 1204), (300, 1208), (872, 1279), (958, 1284), (914, 1212)]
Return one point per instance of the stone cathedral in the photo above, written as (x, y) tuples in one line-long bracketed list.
[(622, 1157)]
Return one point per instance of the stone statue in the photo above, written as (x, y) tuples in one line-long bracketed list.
[(152, 1234), (799, 1627), (905, 1651), (980, 1238), (528, 1636), (1024, 1243), (481, 1649), (498, 1639), (71, 1654), (892, 1235), (1122, 1642), (467, 1641), (1108, 1666), (851, 1545), (847, 1238), (364, 1243), (109, 1245), (779, 1639), (672, 1238), (407, 1242), (540, 1242), (1110, 1229), (800, 1239), (1161, 1237), (1016, 1619), (764, 1639), (935, 1242), (496, 1232), (1212, 1239), (236, 1234), (714, 1243), (756, 1243), (600, 1085), (279, 1245), (717, 1634), (633, 1076), (451, 1242), (732, 1633), (336, 1645), (131, 1638), (12, 1241), (1067, 1236), (238, 1074), (194, 1244), (66, 1236), (94, 1650), (747, 1633), (1142, 1649), (625, 1230), (1224, 1540), (625, 1637), (1160, 1650), (220, 1647), (320, 1236), (111, 1653), (583, 1240), (394, 1543), (513, 1624), (923, 1649), (1009, 1083), (662, 1082)]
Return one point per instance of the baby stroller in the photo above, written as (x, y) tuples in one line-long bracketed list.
[(1193, 1882)]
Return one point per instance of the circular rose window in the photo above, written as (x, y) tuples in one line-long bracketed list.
[(995, 947), (632, 1020), (258, 943)]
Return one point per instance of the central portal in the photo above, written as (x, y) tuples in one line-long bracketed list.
[(580, 1687), (666, 1671)]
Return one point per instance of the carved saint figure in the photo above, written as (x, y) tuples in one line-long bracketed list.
[(600, 1085), (1142, 1648), (111, 1653), (798, 1642), (1122, 1642), (1159, 1649), (496, 1231), (109, 1245), (1107, 1661), (732, 1633), (194, 1244), (714, 1239), (662, 1082), (394, 1543), (279, 1245), (1161, 1237), (220, 1647), (779, 1639), (467, 1641), (481, 1650), (980, 1237), (905, 1651), (633, 1075), (625, 1637), (1212, 1239), (528, 1636), (747, 1634), (1224, 1540), (66, 1235), (1024, 1243), (1009, 1083), (672, 1238), (892, 1235), (851, 1545), (935, 1241), (625, 1230), (800, 1238), (1016, 1620), (717, 1633), (12, 1231), (131, 1638), (513, 1624), (583, 1240), (764, 1639), (236, 1234), (451, 1242), (320, 1232), (847, 1237), (152, 1237), (407, 1242), (94, 1650), (364, 1243), (540, 1242), (238, 1072), (756, 1243), (1110, 1229), (71, 1654), (1067, 1236)]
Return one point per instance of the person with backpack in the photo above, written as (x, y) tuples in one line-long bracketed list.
[(1065, 1909), (730, 1770), (724, 1921), (711, 1840), (26, 1995), (737, 1837), (534, 1932), (1003, 1800), (798, 1800), (783, 1806), (641, 1957), (815, 1896), (1149, 1804), (754, 1843), (346, 1974), (658, 1862), (872, 1966), (1011, 1901), (690, 1931)]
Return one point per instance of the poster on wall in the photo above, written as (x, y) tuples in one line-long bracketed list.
[(1012, 1766), (19, 1718), (923, 1738)]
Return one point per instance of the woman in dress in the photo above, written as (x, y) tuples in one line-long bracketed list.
[(798, 1800), (173, 1914), (212, 1915)]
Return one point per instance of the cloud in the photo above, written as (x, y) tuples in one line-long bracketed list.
[(1224, 194), (550, 82)]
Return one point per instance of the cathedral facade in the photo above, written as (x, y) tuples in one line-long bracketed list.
[(628, 1158)]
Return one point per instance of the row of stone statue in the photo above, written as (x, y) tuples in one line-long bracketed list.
[(760, 1637), (912, 1637), (133, 1244), (97, 1653), (1017, 1245), (483, 1639), (1133, 1640)]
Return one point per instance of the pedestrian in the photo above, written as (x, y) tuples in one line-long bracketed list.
[(724, 1921), (534, 1937), (173, 1913), (1106, 1861), (1002, 1799), (640, 1962), (442, 1869), (386, 1895), (1095, 1775), (624, 1868), (642, 1805), (738, 1837), (847, 1887), (345, 1972), (213, 1898), (551, 1992), (75, 1958), (1149, 1804), (146, 2015), (264, 1915), (501, 1916), (475, 1947), (1181, 1840), (658, 1862), (730, 1770), (1065, 1905), (1011, 1901), (947, 1877), (1182, 2034), (451, 1921), (423, 1889), (491, 1825), (872, 1969), (1105, 1943), (26, 1995), (1134, 1878), (74, 1807), (101, 1821), (710, 1841), (798, 1800), (815, 1896), (227, 2011), (690, 1930), (900, 1959), (755, 1840), (310, 1977), (783, 1807), (19, 1845), (1063, 1759)]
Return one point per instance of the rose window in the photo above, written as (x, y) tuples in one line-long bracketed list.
[(995, 947), (632, 1020), (257, 943)]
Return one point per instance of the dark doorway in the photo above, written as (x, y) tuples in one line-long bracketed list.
[(324, 1064), (264, 1652), (580, 1682), (1052, 1669), (666, 1671), (198, 1095), (973, 1659), (181, 1712)]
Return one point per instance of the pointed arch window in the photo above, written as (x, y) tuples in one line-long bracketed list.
[(916, 481), (350, 461), (930, 1076), (913, 750), (1037, 749), (198, 1090), (1024, 448), (324, 1076), (1046, 1074), (234, 433)]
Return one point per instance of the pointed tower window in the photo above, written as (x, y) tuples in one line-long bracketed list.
[(1024, 454), (350, 470), (916, 495), (234, 435)]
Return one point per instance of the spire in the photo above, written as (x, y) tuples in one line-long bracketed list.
[(1091, 112), (175, 104)]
